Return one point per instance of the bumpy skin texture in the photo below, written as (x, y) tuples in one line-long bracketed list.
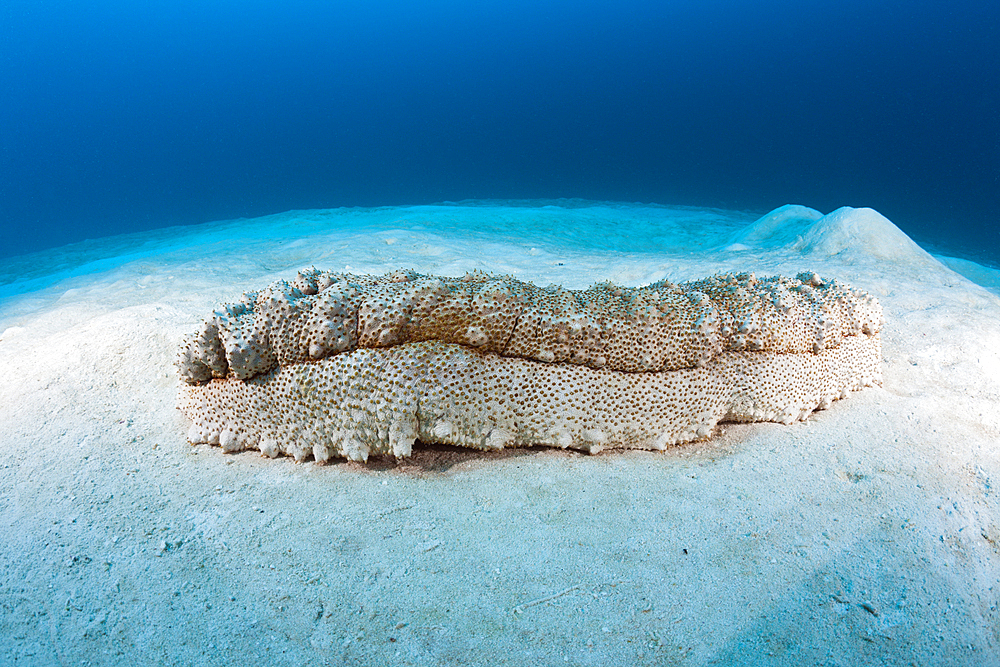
[(334, 365)]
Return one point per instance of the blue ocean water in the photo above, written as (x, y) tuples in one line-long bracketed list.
[(123, 116)]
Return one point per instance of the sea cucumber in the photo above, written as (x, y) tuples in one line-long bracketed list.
[(335, 365)]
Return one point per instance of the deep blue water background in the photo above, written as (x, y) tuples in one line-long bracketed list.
[(121, 116)]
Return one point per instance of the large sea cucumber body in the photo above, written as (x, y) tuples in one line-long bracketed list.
[(335, 365)]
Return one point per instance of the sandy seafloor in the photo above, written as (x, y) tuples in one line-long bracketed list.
[(869, 534)]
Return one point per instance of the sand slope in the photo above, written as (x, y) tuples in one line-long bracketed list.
[(868, 535)]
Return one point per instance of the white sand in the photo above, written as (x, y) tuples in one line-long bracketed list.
[(868, 535)]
